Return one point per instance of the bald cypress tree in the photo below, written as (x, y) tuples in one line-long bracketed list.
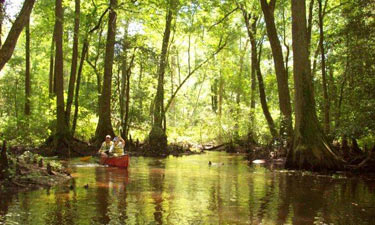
[(105, 126), (62, 131), (157, 136), (310, 150)]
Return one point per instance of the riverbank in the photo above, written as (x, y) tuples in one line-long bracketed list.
[(352, 157), (31, 171)]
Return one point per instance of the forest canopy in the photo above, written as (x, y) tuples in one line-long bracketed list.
[(195, 71)]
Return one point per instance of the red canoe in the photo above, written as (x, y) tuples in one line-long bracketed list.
[(120, 161)]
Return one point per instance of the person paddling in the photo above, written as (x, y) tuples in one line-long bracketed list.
[(118, 146), (106, 147)]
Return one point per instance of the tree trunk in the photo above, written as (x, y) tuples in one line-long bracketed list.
[(310, 23), (220, 103), (286, 128), (123, 86), (62, 131), (7, 49), (79, 74), (256, 71), (3, 161), (105, 125), (214, 96), (127, 102), (324, 74), (125, 96), (27, 71), (140, 100), (239, 89), (310, 149), (73, 69), (85, 48), (1, 21), (157, 136), (253, 83), (51, 66), (262, 96)]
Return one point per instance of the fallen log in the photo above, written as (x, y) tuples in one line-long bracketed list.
[(215, 147)]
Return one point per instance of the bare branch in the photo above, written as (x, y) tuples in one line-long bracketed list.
[(193, 71), (99, 22), (222, 19)]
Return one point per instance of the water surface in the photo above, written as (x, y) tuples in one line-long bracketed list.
[(186, 190)]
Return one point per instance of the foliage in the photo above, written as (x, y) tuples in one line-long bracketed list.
[(200, 27)]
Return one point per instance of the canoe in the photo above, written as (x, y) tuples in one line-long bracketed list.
[(120, 161)]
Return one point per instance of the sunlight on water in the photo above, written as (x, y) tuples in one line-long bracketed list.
[(186, 190)]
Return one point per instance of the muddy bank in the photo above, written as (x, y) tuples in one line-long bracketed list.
[(30, 171)]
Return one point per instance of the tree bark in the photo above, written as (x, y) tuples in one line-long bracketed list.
[(253, 83), (281, 75), (27, 71), (51, 66), (263, 99), (73, 69), (255, 64), (214, 96), (3, 161), (1, 20), (125, 96), (157, 136), (239, 89), (125, 46), (324, 74), (79, 74), (310, 23), (220, 103), (105, 125), (62, 131), (7, 49), (310, 149), (127, 102), (85, 48)]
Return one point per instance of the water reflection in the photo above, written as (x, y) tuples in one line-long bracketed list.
[(186, 190)]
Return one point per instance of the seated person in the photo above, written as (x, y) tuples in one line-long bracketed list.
[(118, 146), (106, 147)]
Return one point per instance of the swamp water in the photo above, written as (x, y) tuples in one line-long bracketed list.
[(186, 190)]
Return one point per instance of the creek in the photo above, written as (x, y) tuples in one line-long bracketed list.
[(187, 190)]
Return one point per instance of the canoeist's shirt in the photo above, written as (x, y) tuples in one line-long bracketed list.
[(118, 149), (106, 146)]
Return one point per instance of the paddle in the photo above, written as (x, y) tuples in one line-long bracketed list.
[(85, 159)]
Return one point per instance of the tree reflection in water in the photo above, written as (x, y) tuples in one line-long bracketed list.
[(185, 190)]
